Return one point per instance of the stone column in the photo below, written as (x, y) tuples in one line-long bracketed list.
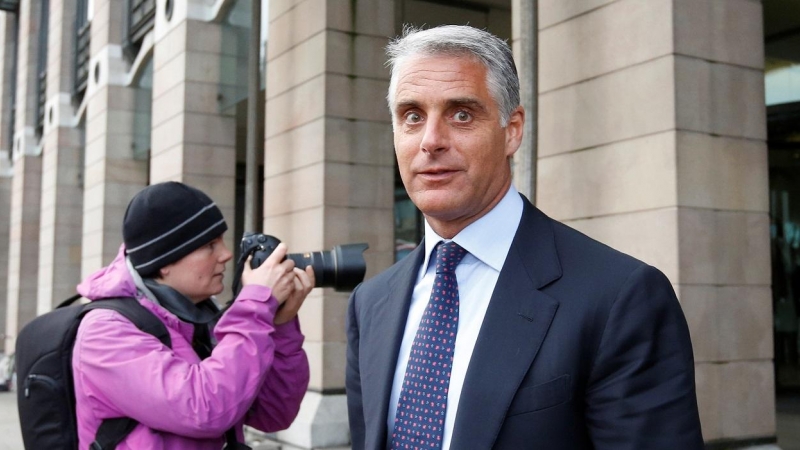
[(5, 213), (652, 139), (23, 251), (329, 165), (193, 141), (23, 245), (112, 174), (62, 189), (8, 39)]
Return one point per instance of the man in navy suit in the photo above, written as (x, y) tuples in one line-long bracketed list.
[(561, 343)]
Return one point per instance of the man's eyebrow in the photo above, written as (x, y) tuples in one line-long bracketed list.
[(406, 104), (468, 102)]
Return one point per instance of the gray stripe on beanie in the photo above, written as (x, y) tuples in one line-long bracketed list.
[(153, 261), (176, 228)]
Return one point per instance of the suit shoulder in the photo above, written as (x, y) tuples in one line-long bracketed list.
[(590, 264), (595, 277), (576, 248)]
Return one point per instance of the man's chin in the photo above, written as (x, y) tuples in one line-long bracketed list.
[(436, 203)]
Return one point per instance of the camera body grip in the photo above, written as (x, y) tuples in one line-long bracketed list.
[(260, 245)]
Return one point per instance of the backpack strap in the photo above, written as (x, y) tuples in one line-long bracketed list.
[(137, 314), (113, 431), (69, 301)]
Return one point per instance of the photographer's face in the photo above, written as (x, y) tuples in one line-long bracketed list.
[(199, 274)]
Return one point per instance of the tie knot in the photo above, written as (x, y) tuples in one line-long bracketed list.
[(448, 255)]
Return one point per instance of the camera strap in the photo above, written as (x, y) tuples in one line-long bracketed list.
[(237, 274)]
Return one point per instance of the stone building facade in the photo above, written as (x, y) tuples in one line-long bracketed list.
[(652, 136)]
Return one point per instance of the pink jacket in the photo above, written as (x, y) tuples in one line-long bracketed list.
[(257, 374)]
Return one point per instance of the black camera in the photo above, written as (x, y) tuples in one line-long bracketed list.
[(341, 268)]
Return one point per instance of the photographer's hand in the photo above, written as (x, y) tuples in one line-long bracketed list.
[(275, 273), (303, 283)]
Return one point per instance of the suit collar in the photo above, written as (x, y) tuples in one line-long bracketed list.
[(513, 330), (388, 314), (535, 242)]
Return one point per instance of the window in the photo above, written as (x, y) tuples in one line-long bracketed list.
[(41, 66), (83, 34), (140, 20)]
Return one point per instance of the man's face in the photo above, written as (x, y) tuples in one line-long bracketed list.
[(199, 274), (451, 150)]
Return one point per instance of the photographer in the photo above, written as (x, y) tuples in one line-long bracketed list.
[(250, 369)]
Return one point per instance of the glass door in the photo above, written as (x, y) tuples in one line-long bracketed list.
[(782, 84)]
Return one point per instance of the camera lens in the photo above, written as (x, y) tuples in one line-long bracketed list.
[(341, 268)]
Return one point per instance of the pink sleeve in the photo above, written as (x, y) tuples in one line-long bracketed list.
[(132, 374), (280, 396)]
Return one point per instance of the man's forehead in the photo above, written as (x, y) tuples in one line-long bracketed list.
[(454, 79), (438, 66)]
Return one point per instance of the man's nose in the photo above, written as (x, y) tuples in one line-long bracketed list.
[(435, 138)]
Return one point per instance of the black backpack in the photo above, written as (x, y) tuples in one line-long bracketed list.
[(46, 395)]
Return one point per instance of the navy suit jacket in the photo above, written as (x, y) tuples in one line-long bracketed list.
[(582, 347)]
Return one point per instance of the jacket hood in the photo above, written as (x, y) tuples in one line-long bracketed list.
[(113, 280)]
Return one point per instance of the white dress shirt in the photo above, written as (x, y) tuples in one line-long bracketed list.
[(487, 240)]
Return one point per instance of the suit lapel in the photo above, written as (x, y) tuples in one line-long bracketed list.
[(513, 329), (387, 321)]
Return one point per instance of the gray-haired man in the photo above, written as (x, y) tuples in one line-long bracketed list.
[(524, 333)]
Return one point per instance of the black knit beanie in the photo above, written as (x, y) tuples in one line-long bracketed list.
[(167, 221)]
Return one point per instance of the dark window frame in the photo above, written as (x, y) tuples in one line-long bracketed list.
[(81, 51), (140, 18), (41, 66)]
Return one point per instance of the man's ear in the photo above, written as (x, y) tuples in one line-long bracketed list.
[(513, 129)]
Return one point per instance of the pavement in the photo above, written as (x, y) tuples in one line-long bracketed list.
[(10, 436), (788, 421)]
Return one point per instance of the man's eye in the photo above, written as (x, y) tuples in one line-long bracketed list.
[(462, 116), (413, 117)]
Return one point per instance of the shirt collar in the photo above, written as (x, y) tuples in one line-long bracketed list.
[(488, 238)]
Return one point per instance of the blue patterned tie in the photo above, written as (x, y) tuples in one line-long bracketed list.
[(419, 422)]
